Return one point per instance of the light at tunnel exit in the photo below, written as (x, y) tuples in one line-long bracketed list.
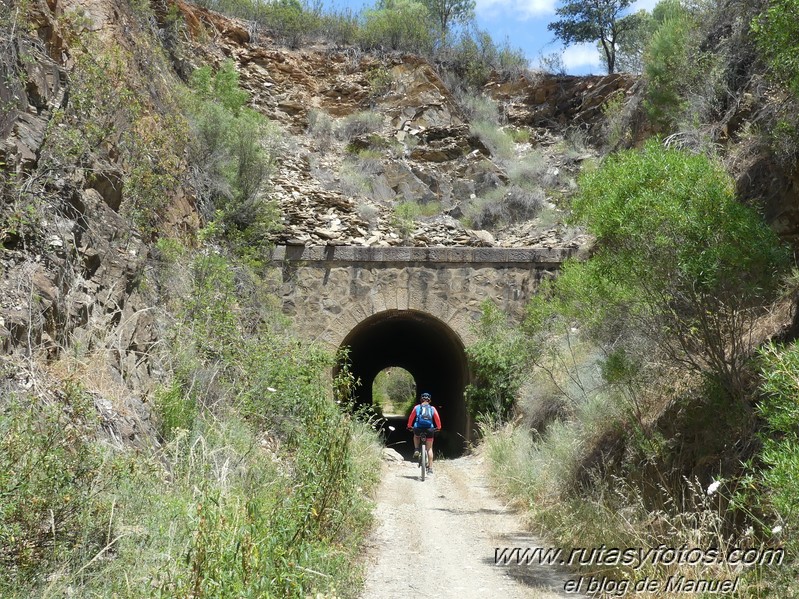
[(431, 352)]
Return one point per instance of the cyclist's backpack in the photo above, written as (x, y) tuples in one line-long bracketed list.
[(424, 416)]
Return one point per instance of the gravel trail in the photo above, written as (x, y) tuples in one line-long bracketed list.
[(453, 523)]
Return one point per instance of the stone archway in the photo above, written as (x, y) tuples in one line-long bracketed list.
[(427, 348)]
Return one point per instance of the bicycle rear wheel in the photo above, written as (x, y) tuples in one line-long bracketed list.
[(423, 460)]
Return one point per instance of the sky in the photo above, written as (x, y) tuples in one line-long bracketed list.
[(523, 24)]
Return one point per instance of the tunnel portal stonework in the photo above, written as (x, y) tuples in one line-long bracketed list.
[(329, 290), (415, 308)]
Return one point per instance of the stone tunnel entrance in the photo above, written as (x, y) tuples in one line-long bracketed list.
[(432, 352)]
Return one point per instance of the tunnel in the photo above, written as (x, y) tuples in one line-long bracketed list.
[(434, 355)]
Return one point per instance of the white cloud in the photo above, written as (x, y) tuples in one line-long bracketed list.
[(581, 55), (519, 9), (643, 5)]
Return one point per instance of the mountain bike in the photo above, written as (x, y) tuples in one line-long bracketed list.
[(423, 433)]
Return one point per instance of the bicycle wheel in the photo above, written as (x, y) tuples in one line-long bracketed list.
[(423, 460)]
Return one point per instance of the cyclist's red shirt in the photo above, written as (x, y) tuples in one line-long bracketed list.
[(436, 419)]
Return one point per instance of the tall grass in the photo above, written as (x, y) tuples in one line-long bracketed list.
[(258, 487), (612, 512), (599, 471)]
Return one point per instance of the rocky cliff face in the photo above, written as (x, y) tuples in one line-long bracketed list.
[(71, 260), (339, 105)]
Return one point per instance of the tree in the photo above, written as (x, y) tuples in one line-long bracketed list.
[(498, 361), (638, 27), (447, 12), (594, 20), (678, 260)]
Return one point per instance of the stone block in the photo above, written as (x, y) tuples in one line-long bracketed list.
[(316, 253), (294, 252), (278, 253), (490, 255), (344, 253), (418, 254), (459, 255), (437, 254), (398, 254), (523, 255), (362, 254)]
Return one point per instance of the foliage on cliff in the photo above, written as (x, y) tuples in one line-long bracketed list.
[(657, 409), (238, 471)]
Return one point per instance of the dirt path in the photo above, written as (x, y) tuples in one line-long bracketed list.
[(452, 522)]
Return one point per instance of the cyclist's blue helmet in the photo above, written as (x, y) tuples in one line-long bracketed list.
[(425, 397)]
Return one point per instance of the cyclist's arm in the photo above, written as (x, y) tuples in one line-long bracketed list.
[(436, 419), (411, 418)]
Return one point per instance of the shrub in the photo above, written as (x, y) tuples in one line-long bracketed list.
[(232, 152), (176, 410), (353, 181), (504, 206), (776, 32), (780, 384), (404, 218), (267, 474), (499, 143), (369, 213), (398, 25), (617, 126), (290, 21), (340, 27), (677, 259), (474, 58), (670, 64), (52, 477), (497, 360), (380, 80), (321, 129), (360, 123), (529, 171), (481, 109)]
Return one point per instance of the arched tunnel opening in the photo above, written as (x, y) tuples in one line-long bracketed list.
[(434, 355)]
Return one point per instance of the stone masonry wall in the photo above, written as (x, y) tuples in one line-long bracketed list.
[(329, 290)]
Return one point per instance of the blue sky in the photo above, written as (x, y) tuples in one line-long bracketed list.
[(523, 24)]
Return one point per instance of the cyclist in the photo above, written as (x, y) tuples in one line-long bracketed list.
[(424, 415)]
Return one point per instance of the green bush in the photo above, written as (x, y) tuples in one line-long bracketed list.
[(678, 259), (670, 64), (780, 409), (404, 218), (529, 171), (481, 108), (503, 206), (233, 152), (261, 484), (307, 496), (398, 25), (176, 410), (359, 123), (474, 58), (776, 32), (290, 21), (340, 27), (53, 508), (499, 143), (497, 360)]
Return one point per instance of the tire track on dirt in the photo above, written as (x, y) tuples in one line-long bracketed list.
[(451, 522)]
